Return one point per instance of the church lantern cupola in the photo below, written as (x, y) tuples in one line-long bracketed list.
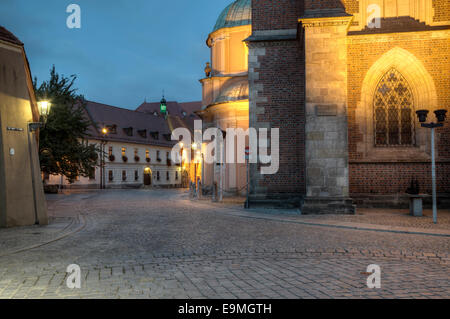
[(163, 106)]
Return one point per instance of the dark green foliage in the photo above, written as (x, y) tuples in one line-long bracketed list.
[(63, 147)]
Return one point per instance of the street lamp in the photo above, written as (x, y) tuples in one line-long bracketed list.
[(440, 116), (181, 162), (44, 109), (104, 132)]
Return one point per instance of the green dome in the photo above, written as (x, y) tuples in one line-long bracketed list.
[(236, 14)]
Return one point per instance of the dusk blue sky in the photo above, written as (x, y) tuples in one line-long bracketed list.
[(125, 51)]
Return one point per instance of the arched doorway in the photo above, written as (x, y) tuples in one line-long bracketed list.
[(147, 176)]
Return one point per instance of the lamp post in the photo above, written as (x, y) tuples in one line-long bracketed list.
[(193, 156), (194, 147), (102, 158), (181, 163), (440, 116), (44, 110)]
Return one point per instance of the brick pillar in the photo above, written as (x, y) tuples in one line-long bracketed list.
[(327, 182), (276, 94)]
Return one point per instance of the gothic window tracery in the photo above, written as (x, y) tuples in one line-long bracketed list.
[(393, 111)]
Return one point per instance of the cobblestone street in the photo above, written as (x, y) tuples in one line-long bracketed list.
[(160, 244)]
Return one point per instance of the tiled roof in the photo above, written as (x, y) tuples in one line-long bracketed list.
[(173, 108), (191, 107), (142, 125), (184, 111), (236, 14), (7, 36)]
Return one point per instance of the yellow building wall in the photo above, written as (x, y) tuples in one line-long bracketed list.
[(20, 201)]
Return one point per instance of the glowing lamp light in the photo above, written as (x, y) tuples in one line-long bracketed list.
[(104, 131), (194, 146), (44, 108)]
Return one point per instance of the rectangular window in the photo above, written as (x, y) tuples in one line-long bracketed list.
[(167, 175), (147, 154), (176, 175), (110, 151), (136, 152), (158, 158), (157, 176), (110, 176), (136, 175), (124, 176), (124, 151)]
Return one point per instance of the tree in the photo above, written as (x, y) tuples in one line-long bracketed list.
[(63, 147)]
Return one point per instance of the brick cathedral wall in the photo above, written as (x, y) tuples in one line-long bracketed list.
[(279, 77), (441, 10), (385, 178), (441, 7), (434, 54), (328, 4), (276, 14), (281, 74)]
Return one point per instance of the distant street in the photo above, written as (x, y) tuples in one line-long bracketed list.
[(159, 243)]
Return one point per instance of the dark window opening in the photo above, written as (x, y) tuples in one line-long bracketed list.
[(393, 111)]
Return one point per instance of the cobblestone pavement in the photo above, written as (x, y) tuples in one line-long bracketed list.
[(374, 216), (158, 243)]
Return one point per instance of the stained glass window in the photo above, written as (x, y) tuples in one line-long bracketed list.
[(393, 103)]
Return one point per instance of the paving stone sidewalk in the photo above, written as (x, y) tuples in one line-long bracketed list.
[(160, 244), (365, 216)]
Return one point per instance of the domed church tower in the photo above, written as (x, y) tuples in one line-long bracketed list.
[(225, 89)]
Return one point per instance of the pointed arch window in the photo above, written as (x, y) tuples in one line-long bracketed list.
[(393, 111)]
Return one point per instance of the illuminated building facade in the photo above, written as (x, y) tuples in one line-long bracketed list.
[(343, 88), (225, 90), (137, 146), (22, 200)]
